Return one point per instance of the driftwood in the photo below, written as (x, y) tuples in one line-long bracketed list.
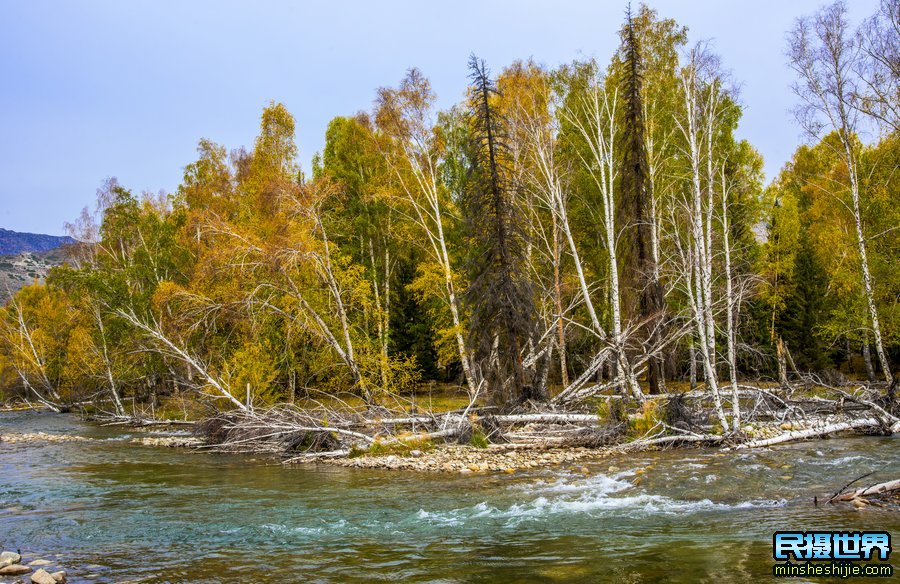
[(845, 487), (643, 443), (321, 432), (870, 491), (141, 423), (813, 432)]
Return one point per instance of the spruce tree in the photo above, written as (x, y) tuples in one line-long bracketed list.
[(499, 296), (640, 270)]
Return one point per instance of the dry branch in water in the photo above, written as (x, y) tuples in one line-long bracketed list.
[(677, 420), (870, 491)]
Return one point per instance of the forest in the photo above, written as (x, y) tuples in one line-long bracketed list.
[(585, 241)]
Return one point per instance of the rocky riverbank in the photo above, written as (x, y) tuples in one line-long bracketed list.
[(160, 441), (506, 458), (434, 457), (36, 571), (467, 459), (169, 441), (14, 437)]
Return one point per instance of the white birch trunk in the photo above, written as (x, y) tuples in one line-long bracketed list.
[(700, 281), (429, 216), (113, 390), (599, 131), (171, 348), (864, 262), (730, 313)]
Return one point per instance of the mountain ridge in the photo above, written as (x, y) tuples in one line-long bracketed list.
[(16, 242)]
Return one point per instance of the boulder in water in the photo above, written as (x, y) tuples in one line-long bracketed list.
[(9, 558), (42, 576), (14, 570)]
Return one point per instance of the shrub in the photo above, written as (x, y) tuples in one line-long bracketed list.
[(644, 421)]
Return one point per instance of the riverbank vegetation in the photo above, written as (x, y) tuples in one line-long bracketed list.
[(581, 255)]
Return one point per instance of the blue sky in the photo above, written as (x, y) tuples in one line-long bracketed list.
[(126, 88)]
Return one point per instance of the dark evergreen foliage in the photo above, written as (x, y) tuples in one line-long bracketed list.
[(500, 296), (638, 275)]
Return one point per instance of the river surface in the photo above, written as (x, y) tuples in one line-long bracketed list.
[(108, 510)]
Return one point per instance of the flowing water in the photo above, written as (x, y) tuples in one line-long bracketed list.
[(108, 510)]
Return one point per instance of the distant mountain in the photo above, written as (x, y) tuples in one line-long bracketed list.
[(25, 268), (13, 242), (26, 257)]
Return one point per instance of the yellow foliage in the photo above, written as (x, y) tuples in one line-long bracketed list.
[(252, 365)]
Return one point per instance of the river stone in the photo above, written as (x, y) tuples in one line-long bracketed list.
[(14, 570), (8, 558), (60, 577), (42, 576), (40, 563)]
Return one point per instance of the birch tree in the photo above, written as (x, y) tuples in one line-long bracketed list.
[(731, 304), (406, 115), (594, 118), (29, 348), (697, 92), (823, 54), (879, 68)]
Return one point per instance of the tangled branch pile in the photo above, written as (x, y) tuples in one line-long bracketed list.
[(773, 416)]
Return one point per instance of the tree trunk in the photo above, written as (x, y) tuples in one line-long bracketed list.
[(867, 359), (692, 352), (864, 257), (557, 293), (730, 314), (782, 364)]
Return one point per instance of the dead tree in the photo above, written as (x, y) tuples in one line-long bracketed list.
[(500, 296)]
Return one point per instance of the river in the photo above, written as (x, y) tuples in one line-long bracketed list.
[(109, 510)]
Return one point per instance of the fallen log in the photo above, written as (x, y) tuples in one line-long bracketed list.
[(136, 422), (809, 433), (397, 421), (869, 491), (547, 418), (310, 456), (690, 438)]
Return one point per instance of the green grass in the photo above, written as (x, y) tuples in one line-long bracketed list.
[(479, 440), (400, 447)]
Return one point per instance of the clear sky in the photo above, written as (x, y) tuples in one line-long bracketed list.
[(93, 89)]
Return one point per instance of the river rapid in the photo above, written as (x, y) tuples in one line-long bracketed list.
[(109, 510)]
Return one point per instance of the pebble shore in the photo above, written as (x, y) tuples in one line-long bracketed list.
[(162, 441), (467, 459)]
